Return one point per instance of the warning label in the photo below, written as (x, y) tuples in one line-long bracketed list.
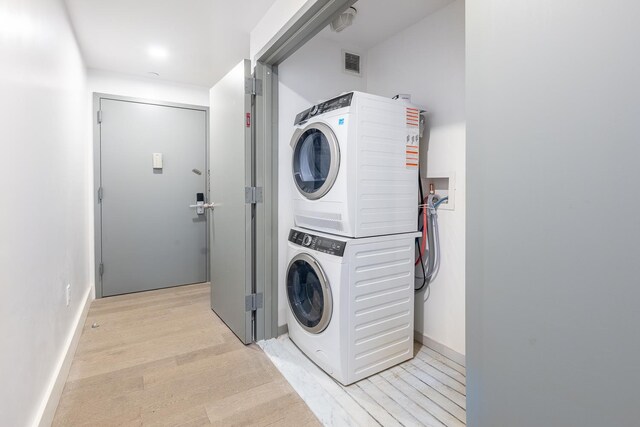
[(412, 148), (413, 117)]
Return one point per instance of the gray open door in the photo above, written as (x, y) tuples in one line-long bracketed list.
[(243, 155), (231, 160)]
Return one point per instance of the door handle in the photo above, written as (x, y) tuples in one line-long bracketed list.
[(201, 206)]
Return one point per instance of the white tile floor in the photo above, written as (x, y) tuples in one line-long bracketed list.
[(427, 390)]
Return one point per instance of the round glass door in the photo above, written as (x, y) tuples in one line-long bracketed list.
[(316, 160), (309, 293)]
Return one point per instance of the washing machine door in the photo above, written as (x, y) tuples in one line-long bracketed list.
[(316, 160), (309, 293)]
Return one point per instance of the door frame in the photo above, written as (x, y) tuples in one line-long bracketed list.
[(97, 173), (302, 27)]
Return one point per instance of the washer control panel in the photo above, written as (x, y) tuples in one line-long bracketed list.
[(330, 105), (317, 243)]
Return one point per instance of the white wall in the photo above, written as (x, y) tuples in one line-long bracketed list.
[(146, 88), (44, 183), (553, 226), (319, 62), (276, 17), (427, 61)]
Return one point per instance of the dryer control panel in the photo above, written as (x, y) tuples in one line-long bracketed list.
[(332, 104), (317, 243)]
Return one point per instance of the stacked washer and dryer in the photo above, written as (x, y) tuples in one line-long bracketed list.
[(350, 277)]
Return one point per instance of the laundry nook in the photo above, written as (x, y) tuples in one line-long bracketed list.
[(367, 174), (319, 213)]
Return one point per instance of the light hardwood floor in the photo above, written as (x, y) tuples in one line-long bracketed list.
[(164, 358)]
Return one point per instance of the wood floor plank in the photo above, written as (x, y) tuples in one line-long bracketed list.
[(241, 403), (411, 394), (441, 366), (444, 359), (420, 394), (450, 393), (164, 358), (392, 390), (432, 393), (272, 412), (439, 375), (379, 413), (395, 409)]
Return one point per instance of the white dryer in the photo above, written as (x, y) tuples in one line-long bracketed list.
[(350, 301), (355, 166)]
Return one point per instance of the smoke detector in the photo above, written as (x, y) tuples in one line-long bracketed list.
[(343, 20)]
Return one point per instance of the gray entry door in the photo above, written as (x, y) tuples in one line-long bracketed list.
[(150, 236), (231, 160)]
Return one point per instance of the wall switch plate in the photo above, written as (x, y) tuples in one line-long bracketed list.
[(157, 160), (68, 294)]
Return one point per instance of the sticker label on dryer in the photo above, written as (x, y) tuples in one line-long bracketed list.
[(412, 148)]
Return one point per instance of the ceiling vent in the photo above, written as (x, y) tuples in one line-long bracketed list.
[(351, 63)]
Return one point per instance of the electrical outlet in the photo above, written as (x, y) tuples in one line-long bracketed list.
[(68, 294)]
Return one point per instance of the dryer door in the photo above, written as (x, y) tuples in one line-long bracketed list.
[(316, 160), (309, 293)]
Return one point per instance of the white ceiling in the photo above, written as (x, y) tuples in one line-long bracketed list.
[(204, 38), (377, 20)]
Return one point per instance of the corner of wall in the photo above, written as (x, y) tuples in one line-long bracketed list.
[(273, 21), (426, 60), (49, 404)]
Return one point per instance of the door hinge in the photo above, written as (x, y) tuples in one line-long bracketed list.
[(253, 194), (99, 116), (253, 302), (100, 193), (253, 86), (101, 269)]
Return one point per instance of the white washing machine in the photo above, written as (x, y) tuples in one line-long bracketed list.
[(355, 166), (350, 301)]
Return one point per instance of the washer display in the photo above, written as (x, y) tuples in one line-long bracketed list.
[(318, 243)]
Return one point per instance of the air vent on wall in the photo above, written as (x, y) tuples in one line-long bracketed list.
[(351, 63)]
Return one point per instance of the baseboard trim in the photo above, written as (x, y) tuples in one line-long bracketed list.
[(283, 329), (50, 404), (440, 348)]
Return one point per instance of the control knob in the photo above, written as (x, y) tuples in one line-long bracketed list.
[(306, 240), (313, 111)]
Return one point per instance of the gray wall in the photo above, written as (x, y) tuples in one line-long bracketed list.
[(553, 274)]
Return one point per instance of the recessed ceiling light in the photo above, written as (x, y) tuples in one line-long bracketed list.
[(16, 25), (153, 73), (158, 52)]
